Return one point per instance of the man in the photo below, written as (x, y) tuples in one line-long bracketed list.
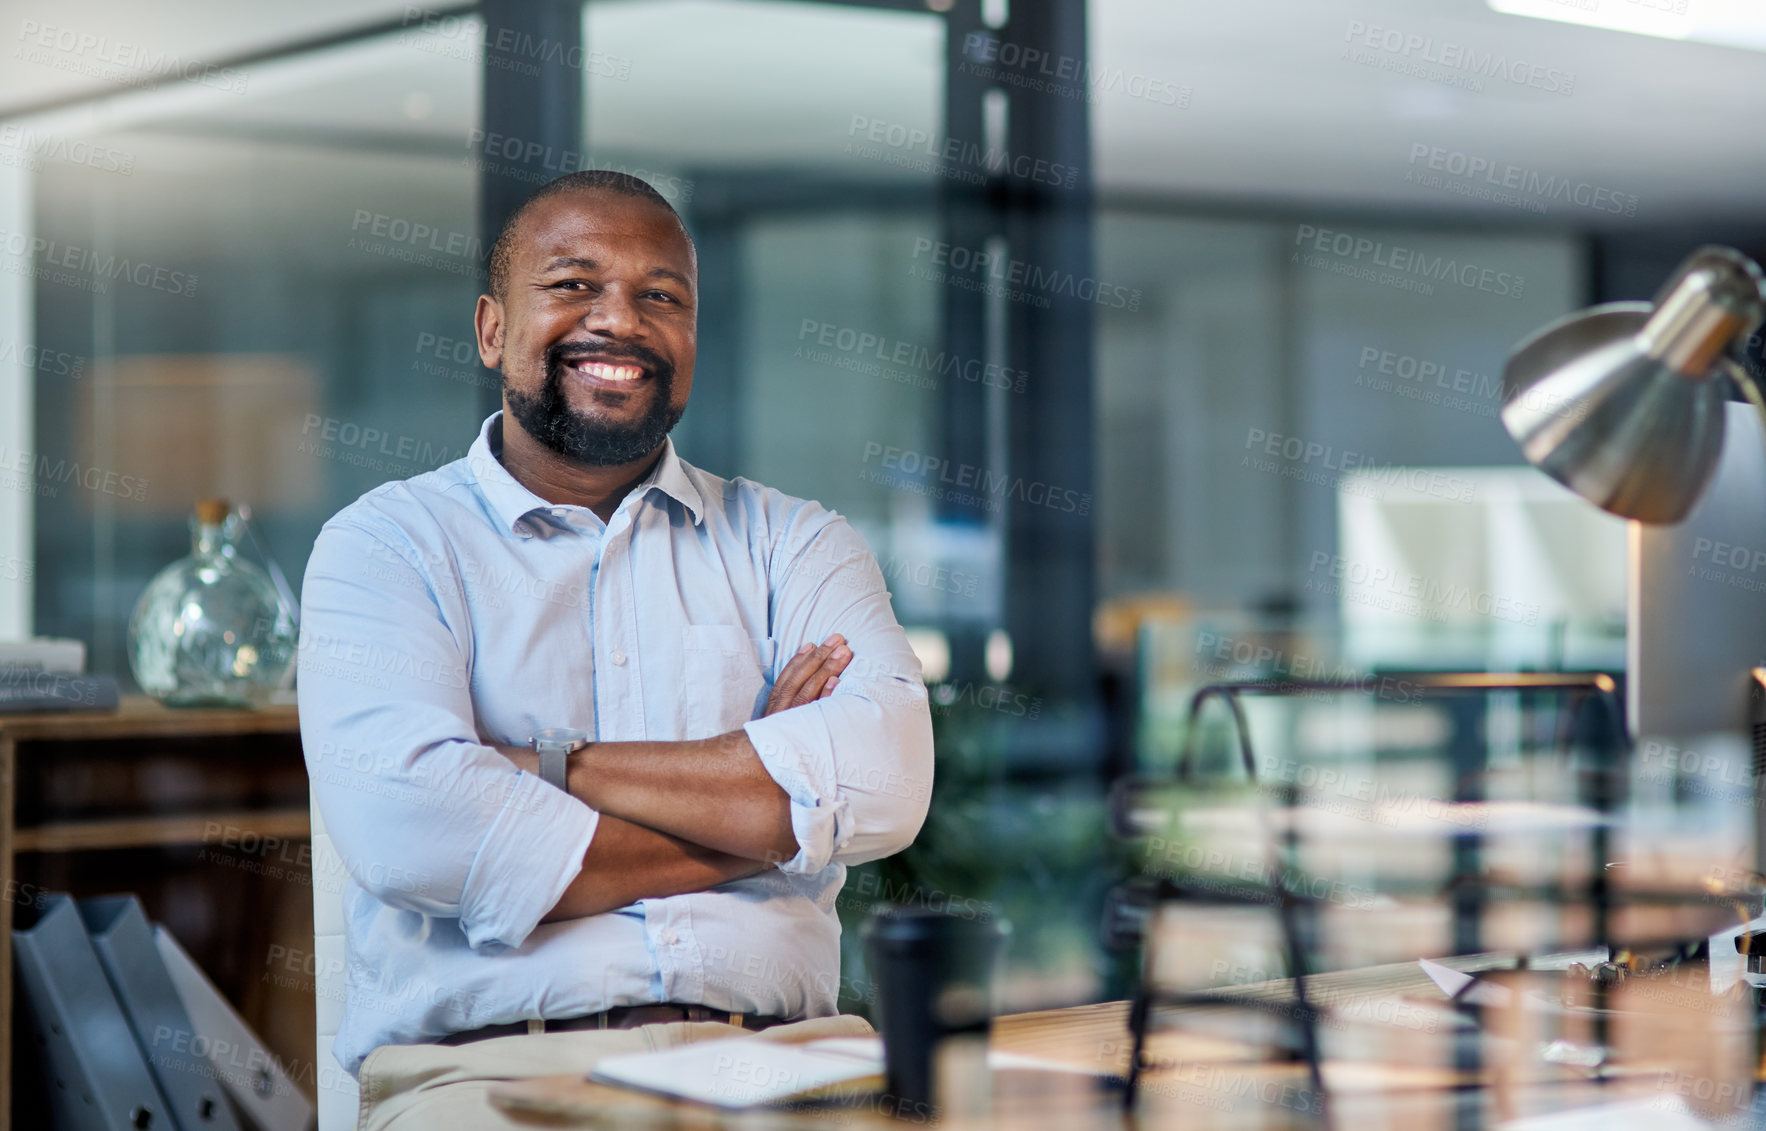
[(758, 719)]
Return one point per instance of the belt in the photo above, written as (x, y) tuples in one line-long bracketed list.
[(619, 1017)]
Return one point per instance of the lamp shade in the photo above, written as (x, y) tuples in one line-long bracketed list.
[(1623, 403)]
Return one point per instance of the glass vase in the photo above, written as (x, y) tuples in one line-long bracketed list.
[(210, 630)]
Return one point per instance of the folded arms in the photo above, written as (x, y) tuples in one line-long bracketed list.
[(430, 817)]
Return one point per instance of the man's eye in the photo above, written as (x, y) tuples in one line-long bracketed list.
[(570, 285), (664, 295)]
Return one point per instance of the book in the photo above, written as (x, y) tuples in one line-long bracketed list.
[(43, 654), (747, 1072), (123, 941), (95, 1077), (22, 691), (264, 1096)]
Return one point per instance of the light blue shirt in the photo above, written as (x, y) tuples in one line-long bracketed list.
[(457, 609)]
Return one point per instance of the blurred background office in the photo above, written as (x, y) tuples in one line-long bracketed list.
[(1147, 341)]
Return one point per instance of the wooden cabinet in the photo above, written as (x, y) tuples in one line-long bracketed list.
[(203, 814)]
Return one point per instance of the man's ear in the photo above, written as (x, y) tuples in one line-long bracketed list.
[(488, 319)]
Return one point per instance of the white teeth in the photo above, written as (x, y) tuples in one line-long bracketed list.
[(610, 372)]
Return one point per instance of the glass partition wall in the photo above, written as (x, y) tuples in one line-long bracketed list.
[(272, 297), (268, 295), (1089, 344)]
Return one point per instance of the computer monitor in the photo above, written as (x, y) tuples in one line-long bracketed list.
[(1696, 629), (1697, 601)]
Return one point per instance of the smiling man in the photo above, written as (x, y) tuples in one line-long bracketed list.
[(730, 713)]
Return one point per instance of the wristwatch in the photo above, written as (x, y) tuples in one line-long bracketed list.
[(554, 746)]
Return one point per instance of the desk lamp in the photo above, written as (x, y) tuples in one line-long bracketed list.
[(1623, 404)]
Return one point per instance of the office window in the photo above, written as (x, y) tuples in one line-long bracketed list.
[(1243, 349)]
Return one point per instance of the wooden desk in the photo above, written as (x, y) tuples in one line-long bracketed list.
[(1198, 1082), (139, 776), (1073, 1045)]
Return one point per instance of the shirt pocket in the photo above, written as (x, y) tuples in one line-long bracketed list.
[(724, 679)]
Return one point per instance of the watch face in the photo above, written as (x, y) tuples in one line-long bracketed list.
[(566, 737)]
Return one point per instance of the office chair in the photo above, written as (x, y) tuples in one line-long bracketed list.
[(338, 1098)]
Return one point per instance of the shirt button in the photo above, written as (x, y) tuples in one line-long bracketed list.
[(618, 658), (667, 937)]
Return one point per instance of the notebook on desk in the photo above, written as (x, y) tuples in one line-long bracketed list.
[(742, 1072)]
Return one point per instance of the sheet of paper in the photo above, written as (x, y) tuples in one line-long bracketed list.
[(742, 1072), (1453, 983)]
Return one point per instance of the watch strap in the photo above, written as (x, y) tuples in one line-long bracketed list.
[(553, 761)]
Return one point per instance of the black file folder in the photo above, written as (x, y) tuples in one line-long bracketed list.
[(98, 1078), (173, 1049)]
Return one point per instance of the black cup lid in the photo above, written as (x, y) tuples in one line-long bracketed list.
[(895, 922)]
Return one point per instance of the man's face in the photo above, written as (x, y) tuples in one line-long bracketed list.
[(596, 331)]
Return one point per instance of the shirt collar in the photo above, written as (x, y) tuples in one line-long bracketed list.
[(512, 502)]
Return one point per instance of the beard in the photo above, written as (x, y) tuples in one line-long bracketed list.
[(548, 417)]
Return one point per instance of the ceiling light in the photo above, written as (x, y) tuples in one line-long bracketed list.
[(1728, 23)]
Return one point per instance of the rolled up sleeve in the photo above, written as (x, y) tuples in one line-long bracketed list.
[(426, 817), (857, 765)]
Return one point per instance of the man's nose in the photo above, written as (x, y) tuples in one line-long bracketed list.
[(613, 313)]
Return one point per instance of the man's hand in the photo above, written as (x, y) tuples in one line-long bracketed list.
[(812, 674)]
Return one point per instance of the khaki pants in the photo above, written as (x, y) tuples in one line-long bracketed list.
[(447, 1087)]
